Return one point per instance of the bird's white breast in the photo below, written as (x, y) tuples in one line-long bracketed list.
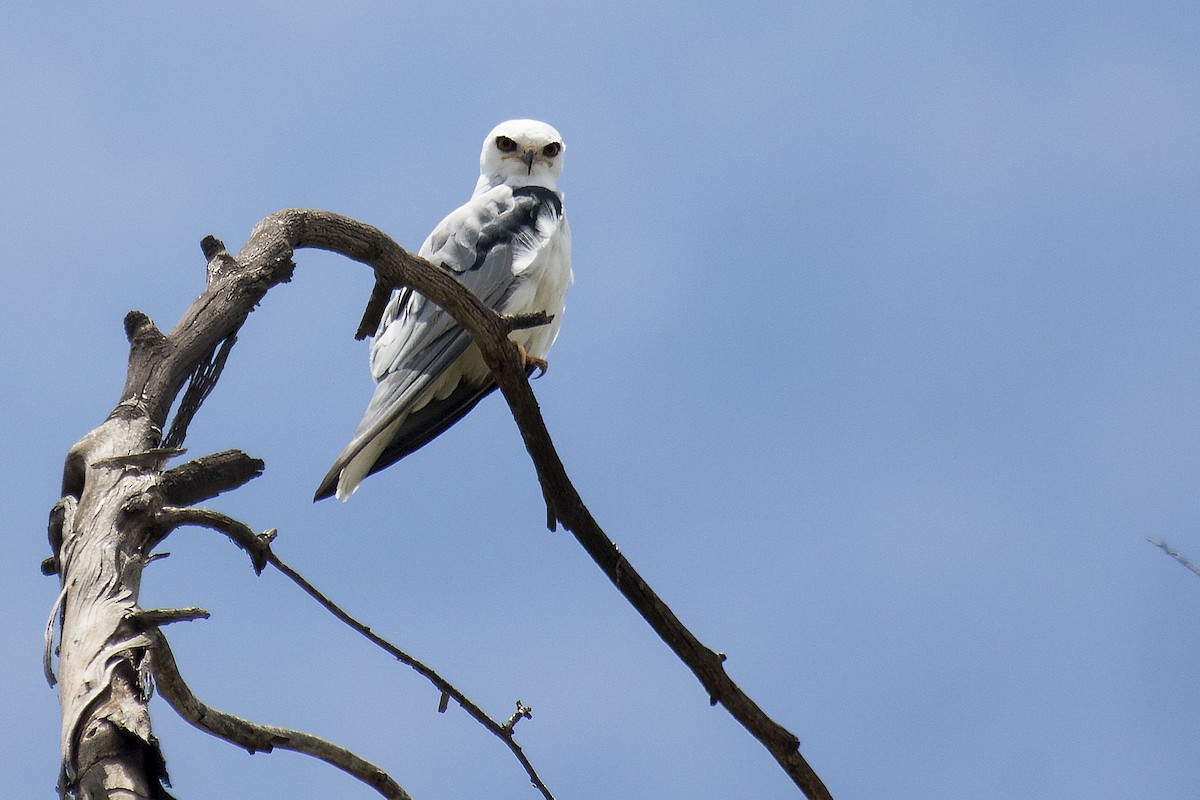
[(543, 288)]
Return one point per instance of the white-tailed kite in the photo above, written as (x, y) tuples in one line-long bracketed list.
[(511, 246)]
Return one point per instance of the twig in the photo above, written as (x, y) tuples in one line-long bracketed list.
[(253, 736), (517, 322), (157, 617), (523, 712), (258, 546), (503, 731), (1175, 554), (373, 313)]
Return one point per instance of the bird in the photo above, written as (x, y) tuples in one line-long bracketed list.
[(510, 244)]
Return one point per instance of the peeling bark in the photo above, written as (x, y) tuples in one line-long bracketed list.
[(114, 492), (107, 745)]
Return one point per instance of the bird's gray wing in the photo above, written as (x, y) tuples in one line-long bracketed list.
[(486, 244)]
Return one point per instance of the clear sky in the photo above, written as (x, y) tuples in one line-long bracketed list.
[(881, 365)]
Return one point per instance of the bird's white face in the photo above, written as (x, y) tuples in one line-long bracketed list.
[(521, 152)]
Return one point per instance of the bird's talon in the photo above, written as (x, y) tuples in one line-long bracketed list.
[(526, 360)]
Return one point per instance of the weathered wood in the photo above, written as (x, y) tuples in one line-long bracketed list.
[(208, 476), (107, 745), (257, 738), (116, 475), (114, 484)]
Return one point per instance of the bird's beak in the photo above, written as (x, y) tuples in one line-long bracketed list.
[(530, 154)]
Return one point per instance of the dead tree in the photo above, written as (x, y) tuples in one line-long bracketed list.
[(119, 500)]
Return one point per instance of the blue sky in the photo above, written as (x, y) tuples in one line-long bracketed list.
[(880, 365)]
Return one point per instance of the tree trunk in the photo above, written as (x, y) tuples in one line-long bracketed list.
[(117, 502), (108, 750)]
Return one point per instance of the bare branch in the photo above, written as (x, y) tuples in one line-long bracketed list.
[(208, 476), (255, 545), (281, 232), (220, 263), (517, 322), (157, 617), (448, 690), (563, 504), (373, 313), (102, 558), (254, 737), (62, 517), (143, 334), (1175, 554)]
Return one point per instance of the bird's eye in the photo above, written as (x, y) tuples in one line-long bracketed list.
[(552, 149), (505, 144)]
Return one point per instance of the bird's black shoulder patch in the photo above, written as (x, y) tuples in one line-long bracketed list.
[(542, 196), (529, 204)]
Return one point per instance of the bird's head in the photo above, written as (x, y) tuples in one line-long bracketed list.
[(521, 152)]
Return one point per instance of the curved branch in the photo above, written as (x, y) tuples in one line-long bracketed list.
[(565, 505), (113, 474), (160, 364), (252, 736), (256, 546), (394, 266), (273, 241)]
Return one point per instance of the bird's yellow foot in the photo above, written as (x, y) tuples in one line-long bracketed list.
[(528, 360)]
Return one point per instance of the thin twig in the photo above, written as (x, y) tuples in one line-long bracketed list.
[(258, 546), (253, 736), (523, 712), (1175, 554), (503, 731)]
